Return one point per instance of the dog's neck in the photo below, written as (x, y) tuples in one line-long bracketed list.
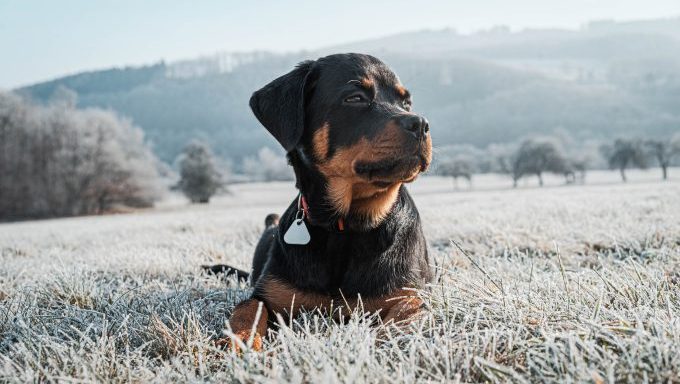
[(321, 212)]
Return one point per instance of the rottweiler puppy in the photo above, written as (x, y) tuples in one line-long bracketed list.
[(353, 235)]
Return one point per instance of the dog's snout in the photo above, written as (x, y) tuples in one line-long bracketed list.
[(418, 126)]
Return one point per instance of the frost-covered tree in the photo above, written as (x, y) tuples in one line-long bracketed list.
[(267, 166), (199, 177), (459, 166), (575, 169), (537, 156), (664, 152), (57, 160), (623, 154)]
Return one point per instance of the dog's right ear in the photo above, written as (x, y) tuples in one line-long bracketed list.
[(280, 105)]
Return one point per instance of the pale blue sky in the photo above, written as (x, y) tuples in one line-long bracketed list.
[(40, 40)]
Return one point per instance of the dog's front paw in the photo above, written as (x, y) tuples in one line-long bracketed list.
[(240, 340)]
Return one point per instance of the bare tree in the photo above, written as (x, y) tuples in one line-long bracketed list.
[(199, 177), (623, 154), (575, 170), (663, 152), (460, 166), (537, 156)]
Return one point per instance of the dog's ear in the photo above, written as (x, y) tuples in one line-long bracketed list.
[(280, 105)]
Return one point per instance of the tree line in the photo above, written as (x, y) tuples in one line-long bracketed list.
[(56, 160), (540, 155)]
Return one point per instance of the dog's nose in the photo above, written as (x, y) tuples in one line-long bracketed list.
[(416, 125)]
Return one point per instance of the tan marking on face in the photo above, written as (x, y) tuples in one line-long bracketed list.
[(320, 142), (427, 152), (378, 205), (340, 194), (401, 90), (367, 83), (349, 192)]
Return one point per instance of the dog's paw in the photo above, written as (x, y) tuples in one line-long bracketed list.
[(238, 340)]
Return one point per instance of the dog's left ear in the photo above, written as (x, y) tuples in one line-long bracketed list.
[(280, 105)]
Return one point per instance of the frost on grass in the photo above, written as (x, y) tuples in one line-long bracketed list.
[(563, 284)]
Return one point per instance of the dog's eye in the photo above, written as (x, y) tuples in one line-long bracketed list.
[(355, 99), (406, 104)]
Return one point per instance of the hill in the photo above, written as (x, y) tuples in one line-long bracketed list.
[(604, 80)]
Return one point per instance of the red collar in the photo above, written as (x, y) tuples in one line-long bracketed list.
[(305, 210)]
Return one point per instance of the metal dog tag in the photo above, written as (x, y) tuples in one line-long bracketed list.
[(297, 233)]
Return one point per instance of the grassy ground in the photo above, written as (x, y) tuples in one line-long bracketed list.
[(562, 284)]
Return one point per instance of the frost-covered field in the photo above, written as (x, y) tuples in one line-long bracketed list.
[(568, 283)]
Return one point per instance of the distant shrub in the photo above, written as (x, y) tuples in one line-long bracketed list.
[(56, 160), (199, 177), (268, 165)]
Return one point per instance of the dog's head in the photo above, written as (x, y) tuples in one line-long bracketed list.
[(349, 118)]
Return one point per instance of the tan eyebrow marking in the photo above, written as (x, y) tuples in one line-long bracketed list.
[(401, 90), (365, 83)]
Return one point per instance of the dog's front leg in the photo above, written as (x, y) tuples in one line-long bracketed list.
[(403, 308), (248, 324)]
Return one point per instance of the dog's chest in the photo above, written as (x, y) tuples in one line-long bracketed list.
[(351, 265)]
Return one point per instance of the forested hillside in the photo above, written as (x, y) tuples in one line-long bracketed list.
[(606, 80)]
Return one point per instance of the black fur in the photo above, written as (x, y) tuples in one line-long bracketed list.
[(227, 270), (367, 258), (373, 262), (279, 106)]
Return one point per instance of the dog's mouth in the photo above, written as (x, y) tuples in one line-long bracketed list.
[(383, 173)]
